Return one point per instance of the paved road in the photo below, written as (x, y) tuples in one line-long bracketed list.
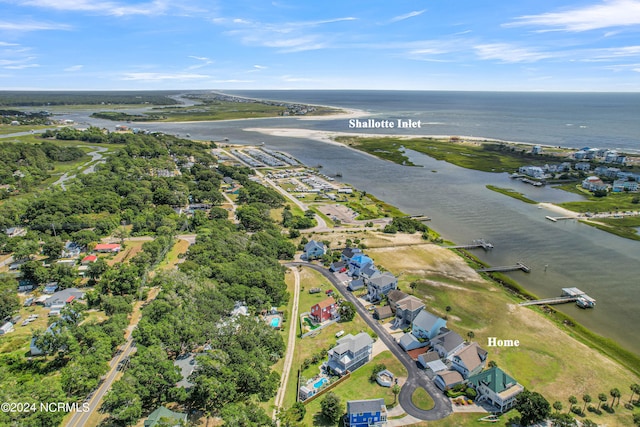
[(81, 419), (291, 345), (416, 376)]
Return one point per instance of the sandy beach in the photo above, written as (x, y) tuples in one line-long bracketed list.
[(559, 210)]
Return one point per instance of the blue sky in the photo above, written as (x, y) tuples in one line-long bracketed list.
[(581, 45)]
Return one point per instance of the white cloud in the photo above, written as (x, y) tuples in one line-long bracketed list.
[(21, 66), (155, 7), (609, 13), (163, 76), (204, 62), (74, 68), (260, 67), (8, 44), (408, 15), (287, 37), (31, 26), (506, 52)]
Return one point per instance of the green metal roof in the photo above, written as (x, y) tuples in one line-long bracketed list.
[(495, 379)]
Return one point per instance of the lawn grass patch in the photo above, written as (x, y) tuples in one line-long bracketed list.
[(422, 400)]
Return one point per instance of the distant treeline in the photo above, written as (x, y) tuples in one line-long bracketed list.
[(119, 116), (24, 118), (18, 98)]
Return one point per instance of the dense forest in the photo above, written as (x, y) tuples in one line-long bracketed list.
[(229, 264), (48, 98)]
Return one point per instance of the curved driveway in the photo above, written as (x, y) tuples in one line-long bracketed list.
[(416, 376)]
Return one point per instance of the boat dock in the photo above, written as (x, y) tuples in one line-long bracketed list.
[(568, 295), (480, 243), (517, 266), (558, 218)]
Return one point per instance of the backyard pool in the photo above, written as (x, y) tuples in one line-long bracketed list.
[(320, 383), (275, 322)]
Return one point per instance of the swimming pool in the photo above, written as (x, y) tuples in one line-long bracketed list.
[(275, 322), (320, 383)]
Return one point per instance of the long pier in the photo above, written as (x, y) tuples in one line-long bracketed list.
[(517, 266), (568, 295), (480, 243)]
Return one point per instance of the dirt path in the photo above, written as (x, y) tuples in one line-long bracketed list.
[(288, 358)]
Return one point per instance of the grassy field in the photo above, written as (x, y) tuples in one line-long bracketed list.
[(172, 259), (370, 207), (422, 400), (8, 129), (511, 193)]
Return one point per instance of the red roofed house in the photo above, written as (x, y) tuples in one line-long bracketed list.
[(89, 259), (107, 247), (324, 310)]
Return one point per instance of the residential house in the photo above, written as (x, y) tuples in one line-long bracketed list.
[(407, 309), (348, 253), (369, 271), (71, 250), (447, 343), (383, 312), (165, 417), (582, 166), (496, 387), (350, 353), (356, 284), (357, 263), (409, 342), (427, 325), (380, 284), (324, 310), (64, 297), (593, 183), (50, 287), (431, 360), (314, 250), (532, 171), (621, 185), (108, 247), (447, 379), (89, 259), (338, 266), (393, 297), (469, 360), (366, 413)]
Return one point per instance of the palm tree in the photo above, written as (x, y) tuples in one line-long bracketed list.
[(614, 392), (635, 389), (587, 399), (557, 405), (572, 400), (602, 398)]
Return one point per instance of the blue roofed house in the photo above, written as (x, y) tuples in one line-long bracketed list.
[(427, 325), (350, 353), (379, 285), (496, 387), (366, 413), (358, 263), (314, 250)]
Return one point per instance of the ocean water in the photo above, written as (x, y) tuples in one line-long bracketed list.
[(562, 254)]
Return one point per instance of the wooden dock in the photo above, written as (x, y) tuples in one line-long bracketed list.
[(581, 299), (517, 266), (558, 218), (480, 243)]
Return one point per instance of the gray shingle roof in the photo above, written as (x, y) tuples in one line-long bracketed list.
[(353, 343), (364, 406), (425, 320)]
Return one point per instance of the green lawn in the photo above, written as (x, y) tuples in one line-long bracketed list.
[(422, 400)]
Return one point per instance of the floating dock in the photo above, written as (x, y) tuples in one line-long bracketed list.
[(581, 299), (517, 266)]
